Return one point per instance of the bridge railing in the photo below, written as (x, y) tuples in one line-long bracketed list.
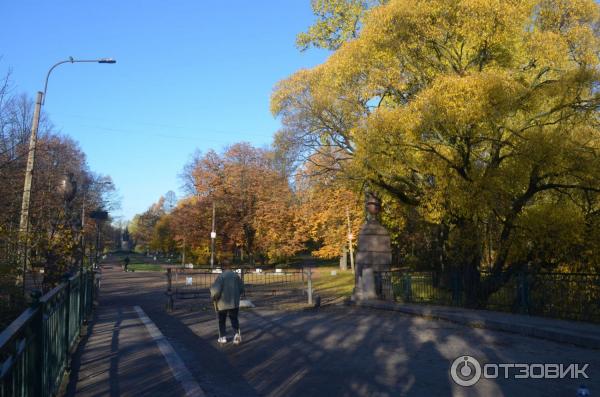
[(35, 348), (572, 296)]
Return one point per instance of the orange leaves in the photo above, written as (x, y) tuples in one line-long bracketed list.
[(325, 201), (254, 204)]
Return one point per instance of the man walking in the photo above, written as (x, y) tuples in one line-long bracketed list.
[(225, 292)]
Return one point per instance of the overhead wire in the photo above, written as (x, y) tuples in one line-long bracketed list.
[(202, 134)]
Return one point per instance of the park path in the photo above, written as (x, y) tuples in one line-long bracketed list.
[(333, 351), (118, 356)]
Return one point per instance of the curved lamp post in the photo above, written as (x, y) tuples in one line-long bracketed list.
[(87, 185), (24, 222), (98, 216)]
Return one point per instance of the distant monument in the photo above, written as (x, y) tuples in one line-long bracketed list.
[(125, 246), (374, 254)]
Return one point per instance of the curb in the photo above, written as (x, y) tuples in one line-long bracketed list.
[(561, 336)]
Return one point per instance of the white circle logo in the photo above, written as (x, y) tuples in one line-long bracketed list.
[(465, 371)]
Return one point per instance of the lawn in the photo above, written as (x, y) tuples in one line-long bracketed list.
[(145, 267), (339, 286)]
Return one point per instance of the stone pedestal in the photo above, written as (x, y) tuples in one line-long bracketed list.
[(366, 288), (374, 255)]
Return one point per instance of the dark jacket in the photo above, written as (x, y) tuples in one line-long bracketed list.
[(226, 290)]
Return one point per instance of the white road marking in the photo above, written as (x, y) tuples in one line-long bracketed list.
[(178, 368)]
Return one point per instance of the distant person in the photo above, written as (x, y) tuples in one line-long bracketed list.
[(126, 261), (226, 292)]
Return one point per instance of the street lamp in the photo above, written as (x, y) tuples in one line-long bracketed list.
[(24, 222), (213, 236), (71, 60), (87, 185), (98, 215)]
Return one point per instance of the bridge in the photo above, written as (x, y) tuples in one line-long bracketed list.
[(132, 345)]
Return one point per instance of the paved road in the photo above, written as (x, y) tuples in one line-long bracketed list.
[(335, 351)]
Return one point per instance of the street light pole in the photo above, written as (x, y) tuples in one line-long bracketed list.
[(213, 235), (97, 244), (24, 222), (98, 215), (86, 186), (350, 240), (40, 99)]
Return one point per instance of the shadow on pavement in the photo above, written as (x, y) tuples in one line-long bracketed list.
[(334, 351)]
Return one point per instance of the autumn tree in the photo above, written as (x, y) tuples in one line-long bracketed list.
[(62, 187), (337, 22), (482, 116), (253, 201), (142, 228), (190, 227), (326, 203)]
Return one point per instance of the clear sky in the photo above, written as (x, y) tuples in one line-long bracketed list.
[(190, 75)]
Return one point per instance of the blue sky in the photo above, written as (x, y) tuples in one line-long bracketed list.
[(189, 75)]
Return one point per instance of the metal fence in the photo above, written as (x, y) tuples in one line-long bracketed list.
[(573, 296), (194, 283), (35, 348)]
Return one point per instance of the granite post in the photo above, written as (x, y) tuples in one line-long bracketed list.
[(374, 255)]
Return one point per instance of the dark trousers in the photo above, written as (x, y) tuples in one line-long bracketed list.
[(233, 318)]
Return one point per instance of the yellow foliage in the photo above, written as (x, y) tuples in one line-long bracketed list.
[(481, 113)]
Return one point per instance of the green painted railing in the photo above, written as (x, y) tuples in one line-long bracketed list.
[(572, 296), (35, 348)]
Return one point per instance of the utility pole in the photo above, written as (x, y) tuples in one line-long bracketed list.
[(213, 236), (350, 240), (24, 223)]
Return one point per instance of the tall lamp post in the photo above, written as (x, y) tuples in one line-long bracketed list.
[(41, 96), (350, 236), (98, 215), (213, 236), (87, 185)]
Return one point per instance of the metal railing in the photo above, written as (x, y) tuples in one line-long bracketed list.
[(35, 348), (194, 283), (572, 296)]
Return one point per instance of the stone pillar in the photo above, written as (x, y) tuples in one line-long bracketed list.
[(374, 255)]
